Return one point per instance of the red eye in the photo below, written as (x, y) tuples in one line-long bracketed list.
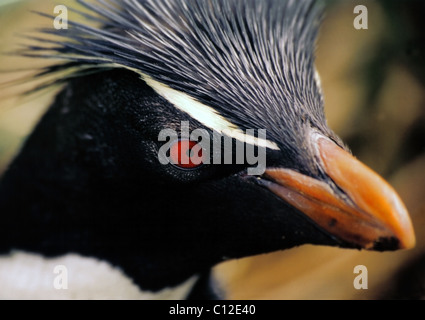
[(186, 154)]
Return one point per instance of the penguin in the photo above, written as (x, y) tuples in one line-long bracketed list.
[(115, 179)]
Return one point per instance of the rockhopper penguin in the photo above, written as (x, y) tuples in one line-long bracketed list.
[(88, 182)]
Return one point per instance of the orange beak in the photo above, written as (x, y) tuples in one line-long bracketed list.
[(367, 213)]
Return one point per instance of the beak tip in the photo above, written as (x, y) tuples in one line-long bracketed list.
[(394, 243), (401, 225), (409, 241)]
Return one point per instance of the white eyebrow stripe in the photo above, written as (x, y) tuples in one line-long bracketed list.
[(205, 114)]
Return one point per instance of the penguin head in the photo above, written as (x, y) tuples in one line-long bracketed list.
[(238, 71)]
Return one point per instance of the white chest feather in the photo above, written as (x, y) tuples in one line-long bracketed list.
[(31, 276)]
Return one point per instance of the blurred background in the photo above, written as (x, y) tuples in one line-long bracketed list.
[(374, 87)]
